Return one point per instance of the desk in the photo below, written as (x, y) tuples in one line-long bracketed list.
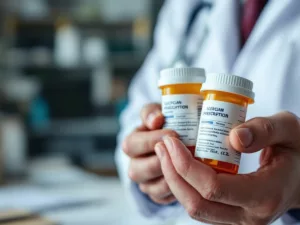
[(62, 179)]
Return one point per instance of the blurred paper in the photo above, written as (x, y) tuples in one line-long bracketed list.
[(35, 221), (15, 217), (36, 200)]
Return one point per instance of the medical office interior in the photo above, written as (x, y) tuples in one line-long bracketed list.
[(65, 67)]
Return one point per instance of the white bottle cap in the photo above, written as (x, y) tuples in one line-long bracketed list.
[(181, 76), (229, 83)]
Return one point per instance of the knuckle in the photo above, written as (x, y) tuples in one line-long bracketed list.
[(294, 120), (290, 115), (165, 188), (213, 191), (146, 145), (151, 141), (193, 211), (268, 126), (244, 218), (292, 123), (154, 167), (184, 168), (160, 190), (160, 201), (169, 201), (132, 173), (196, 211), (126, 144), (143, 188), (265, 124)]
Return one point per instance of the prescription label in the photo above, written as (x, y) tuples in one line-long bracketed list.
[(182, 114), (217, 119)]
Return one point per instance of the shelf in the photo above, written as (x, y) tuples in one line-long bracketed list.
[(52, 72), (127, 60), (89, 24), (104, 110), (132, 59), (122, 65), (83, 127)]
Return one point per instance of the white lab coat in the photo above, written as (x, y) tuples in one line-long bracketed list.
[(270, 58)]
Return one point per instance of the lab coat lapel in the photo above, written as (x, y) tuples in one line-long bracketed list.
[(256, 62), (269, 22), (222, 44)]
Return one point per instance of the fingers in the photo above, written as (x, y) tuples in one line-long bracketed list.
[(142, 142), (144, 168), (197, 207), (191, 170), (202, 178), (152, 116), (281, 129), (235, 190), (165, 201), (158, 188)]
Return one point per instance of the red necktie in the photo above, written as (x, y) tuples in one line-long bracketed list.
[(250, 13)]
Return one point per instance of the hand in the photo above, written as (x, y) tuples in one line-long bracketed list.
[(258, 198), (145, 168)]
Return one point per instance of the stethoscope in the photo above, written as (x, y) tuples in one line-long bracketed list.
[(181, 59)]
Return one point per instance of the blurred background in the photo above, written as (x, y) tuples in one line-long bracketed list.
[(65, 67)]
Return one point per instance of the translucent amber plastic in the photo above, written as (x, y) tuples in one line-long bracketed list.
[(219, 166), (176, 89)]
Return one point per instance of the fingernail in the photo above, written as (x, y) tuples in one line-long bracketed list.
[(151, 117), (245, 136), (159, 151), (168, 142)]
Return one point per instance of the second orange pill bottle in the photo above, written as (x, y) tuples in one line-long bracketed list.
[(226, 98)]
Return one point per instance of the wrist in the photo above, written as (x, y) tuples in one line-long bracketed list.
[(297, 180), (298, 194), (297, 197), (294, 211), (298, 205)]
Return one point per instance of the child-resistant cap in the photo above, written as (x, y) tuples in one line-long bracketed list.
[(229, 83), (181, 76)]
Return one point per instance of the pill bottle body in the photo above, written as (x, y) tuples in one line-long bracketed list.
[(222, 111), (184, 120), (182, 102)]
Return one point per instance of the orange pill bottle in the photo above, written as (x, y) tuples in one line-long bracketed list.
[(226, 98), (182, 102)]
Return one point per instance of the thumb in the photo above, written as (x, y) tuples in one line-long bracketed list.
[(252, 136)]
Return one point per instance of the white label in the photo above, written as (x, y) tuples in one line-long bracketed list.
[(182, 114), (217, 119)]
